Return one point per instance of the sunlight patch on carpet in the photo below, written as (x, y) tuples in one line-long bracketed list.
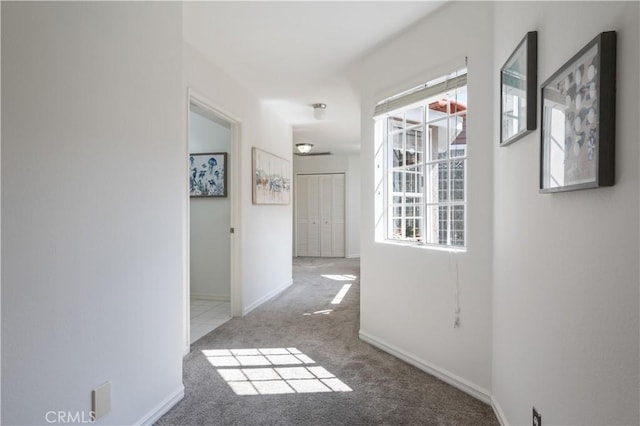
[(323, 312), (340, 277), (272, 371), (343, 291)]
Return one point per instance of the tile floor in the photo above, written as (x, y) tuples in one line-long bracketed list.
[(206, 315)]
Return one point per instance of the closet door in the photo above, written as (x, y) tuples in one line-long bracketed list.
[(332, 215), (337, 216), (302, 216), (307, 215), (313, 226), (320, 215), (326, 215)]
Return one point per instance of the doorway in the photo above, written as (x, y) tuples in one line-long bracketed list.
[(211, 256)]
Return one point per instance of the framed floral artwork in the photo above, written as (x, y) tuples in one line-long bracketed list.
[(578, 120), (271, 178), (208, 174)]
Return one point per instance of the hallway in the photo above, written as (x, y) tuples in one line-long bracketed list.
[(297, 360)]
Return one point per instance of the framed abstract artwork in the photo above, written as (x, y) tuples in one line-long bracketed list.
[(518, 85), (208, 174), (271, 178), (577, 149)]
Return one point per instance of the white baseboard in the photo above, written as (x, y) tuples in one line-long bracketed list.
[(442, 374), (498, 411), (353, 256), (266, 297), (159, 410), (205, 296)]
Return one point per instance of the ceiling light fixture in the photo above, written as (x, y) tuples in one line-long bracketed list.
[(319, 110), (304, 148)]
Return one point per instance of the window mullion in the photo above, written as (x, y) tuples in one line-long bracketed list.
[(425, 180), (403, 214), (388, 153), (385, 180), (449, 174)]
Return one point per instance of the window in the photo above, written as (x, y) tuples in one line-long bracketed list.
[(424, 135)]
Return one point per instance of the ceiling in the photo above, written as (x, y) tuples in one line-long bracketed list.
[(294, 54)]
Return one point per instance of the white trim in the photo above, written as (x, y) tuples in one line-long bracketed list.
[(353, 256), (498, 412), (159, 410), (267, 297), (294, 233), (234, 194), (205, 296), (421, 246), (236, 215), (186, 303), (201, 99), (442, 374), (346, 213)]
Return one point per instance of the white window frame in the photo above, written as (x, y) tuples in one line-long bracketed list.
[(400, 104)]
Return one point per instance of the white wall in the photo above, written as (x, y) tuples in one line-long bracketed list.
[(350, 165), (0, 215), (209, 252), (407, 297), (93, 179), (565, 324), (263, 233)]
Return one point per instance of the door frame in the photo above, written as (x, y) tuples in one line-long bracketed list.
[(233, 189)]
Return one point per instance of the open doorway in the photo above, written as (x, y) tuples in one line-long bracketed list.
[(211, 296)]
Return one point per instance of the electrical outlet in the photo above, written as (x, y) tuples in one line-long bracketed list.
[(101, 400), (537, 418)]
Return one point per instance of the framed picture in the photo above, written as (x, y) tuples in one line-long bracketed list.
[(208, 174), (518, 85), (578, 120), (271, 178)]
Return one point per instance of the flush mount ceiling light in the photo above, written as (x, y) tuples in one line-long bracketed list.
[(319, 110), (304, 148)]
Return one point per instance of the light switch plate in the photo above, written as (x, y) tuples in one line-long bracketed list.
[(101, 400)]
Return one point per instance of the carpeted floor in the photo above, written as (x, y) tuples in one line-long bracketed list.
[(332, 378)]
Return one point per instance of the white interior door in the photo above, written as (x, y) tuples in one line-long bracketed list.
[(337, 215), (314, 217), (302, 215), (320, 215), (326, 215)]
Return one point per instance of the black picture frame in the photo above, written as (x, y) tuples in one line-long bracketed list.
[(578, 103), (518, 86), (208, 175)]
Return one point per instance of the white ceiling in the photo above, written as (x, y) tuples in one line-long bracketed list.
[(294, 54)]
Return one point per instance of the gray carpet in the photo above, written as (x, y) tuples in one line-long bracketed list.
[(384, 390)]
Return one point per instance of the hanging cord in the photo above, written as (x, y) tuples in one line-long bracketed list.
[(456, 292)]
